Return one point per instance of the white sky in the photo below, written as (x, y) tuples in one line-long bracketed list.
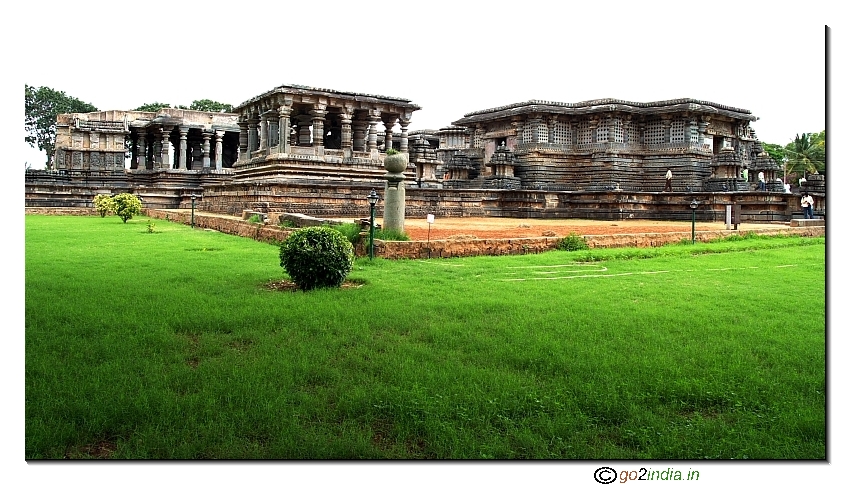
[(450, 58)]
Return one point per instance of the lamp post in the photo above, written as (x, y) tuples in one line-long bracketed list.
[(193, 210), (373, 199), (694, 205)]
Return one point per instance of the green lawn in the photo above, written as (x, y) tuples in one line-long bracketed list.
[(168, 345)]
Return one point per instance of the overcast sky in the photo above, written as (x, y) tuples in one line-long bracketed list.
[(450, 58)]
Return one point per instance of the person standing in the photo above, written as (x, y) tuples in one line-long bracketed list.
[(761, 180), (807, 202), (668, 185)]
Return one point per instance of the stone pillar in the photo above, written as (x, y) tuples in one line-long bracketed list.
[(318, 118), (274, 128), (253, 142), (403, 142), (166, 149), (141, 152), (284, 127), (184, 131), (206, 149), (388, 132), (372, 142), (345, 135), (243, 141), (264, 133), (218, 149), (518, 127), (702, 127), (552, 122), (359, 141), (394, 193), (594, 135)]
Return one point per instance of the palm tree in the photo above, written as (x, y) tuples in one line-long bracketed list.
[(806, 154)]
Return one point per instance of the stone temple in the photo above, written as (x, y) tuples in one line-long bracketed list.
[(321, 151)]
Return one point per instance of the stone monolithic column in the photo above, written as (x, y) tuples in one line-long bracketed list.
[(166, 148), (264, 132), (207, 149), (184, 132), (274, 128), (284, 127), (372, 142), (243, 141), (359, 141), (345, 134), (402, 146), (141, 152), (253, 142), (218, 149), (318, 118), (389, 122)]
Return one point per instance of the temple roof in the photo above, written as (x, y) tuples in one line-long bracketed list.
[(607, 105), (307, 90)]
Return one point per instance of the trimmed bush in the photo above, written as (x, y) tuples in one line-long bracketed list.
[(317, 257), (572, 242), (127, 205)]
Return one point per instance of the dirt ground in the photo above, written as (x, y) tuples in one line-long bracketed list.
[(506, 228)]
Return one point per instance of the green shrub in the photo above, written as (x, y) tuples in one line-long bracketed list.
[(572, 242), (151, 226), (317, 257), (390, 234), (351, 231), (104, 204), (127, 205), (392, 152), (287, 224), (255, 219)]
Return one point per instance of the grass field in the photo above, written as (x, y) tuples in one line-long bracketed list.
[(169, 345)]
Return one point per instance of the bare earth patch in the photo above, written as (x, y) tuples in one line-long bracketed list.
[(292, 287), (508, 228)]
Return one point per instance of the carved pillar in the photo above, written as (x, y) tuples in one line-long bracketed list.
[(243, 141), (184, 131), (594, 124), (264, 132), (218, 149), (518, 126), (702, 127), (318, 118), (372, 142), (283, 125), (253, 142), (206, 149), (274, 128), (665, 121), (166, 148), (403, 142), (359, 141), (389, 122), (345, 136), (552, 122), (141, 152)]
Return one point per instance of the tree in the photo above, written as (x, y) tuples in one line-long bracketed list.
[(775, 152), (41, 106), (211, 106), (152, 107), (807, 153)]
